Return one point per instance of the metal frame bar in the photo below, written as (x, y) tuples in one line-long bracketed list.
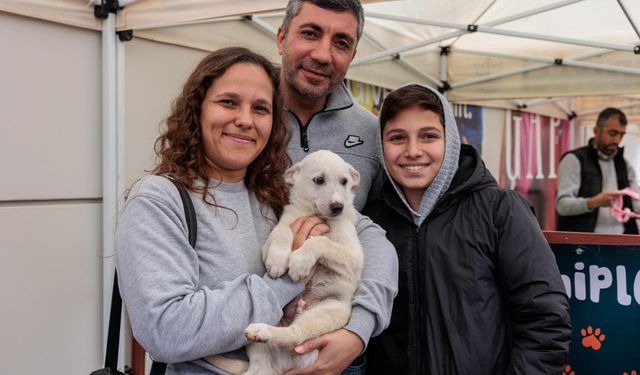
[(544, 63), (109, 166), (586, 113), (546, 38), (417, 71), (262, 25), (559, 103), (462, 29), (395, 51), (626, 13)]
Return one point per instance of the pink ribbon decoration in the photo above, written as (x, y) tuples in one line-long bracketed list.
[(624, 214)]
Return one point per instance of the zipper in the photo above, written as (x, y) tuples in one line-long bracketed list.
[(304, 141), (417, 305)]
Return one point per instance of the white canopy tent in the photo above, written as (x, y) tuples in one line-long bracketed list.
[(556, 57), (541, 55), (507, 53)]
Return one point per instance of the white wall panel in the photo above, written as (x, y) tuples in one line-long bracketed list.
[(631, 143), (50, 87), (155, 73), (50, 283), (493, 124)]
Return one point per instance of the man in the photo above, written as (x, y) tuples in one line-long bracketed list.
[(590, 177), (317, 42)]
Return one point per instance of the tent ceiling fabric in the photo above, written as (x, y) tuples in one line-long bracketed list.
[(147, 14), (78, 13), (594, 39), (538, 39), (512, 57)]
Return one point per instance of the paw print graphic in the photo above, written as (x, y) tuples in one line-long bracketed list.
[(592, 338), (633, 372), (568, 371)]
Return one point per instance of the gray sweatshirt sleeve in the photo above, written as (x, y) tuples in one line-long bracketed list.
[(173, 316), (567, 202), (373, 301)]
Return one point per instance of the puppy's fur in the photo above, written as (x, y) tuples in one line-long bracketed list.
[(322, 185)]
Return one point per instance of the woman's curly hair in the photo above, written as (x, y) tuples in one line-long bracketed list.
[(179, 149)]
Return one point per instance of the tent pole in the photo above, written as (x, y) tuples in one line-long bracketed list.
[(546, 62), (444, 64), (394, 51), (260, 24), (489, 29), (120, 175), (109, 194), (557, 39), (592, 112), (626, 13), (419, 72)]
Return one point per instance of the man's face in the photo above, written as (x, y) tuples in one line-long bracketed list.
[(609, 136), (317, 50)]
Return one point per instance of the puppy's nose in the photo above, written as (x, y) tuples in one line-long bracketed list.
[(336, 208)]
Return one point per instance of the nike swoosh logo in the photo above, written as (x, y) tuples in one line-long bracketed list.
[(351, 143)]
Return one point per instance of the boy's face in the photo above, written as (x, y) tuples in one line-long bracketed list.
[(413, 146)]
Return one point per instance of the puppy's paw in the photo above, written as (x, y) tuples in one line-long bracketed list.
[(258, 332), (300, 306), (300, 264), (277, 261)]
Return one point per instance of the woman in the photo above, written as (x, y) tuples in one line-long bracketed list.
[(226, 143), (479, 289)]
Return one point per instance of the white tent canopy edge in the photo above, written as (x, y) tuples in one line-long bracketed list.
[(500, 53)]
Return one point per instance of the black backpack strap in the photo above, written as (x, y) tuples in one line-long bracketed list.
[(189, 213), (113, 336), (159, 368)]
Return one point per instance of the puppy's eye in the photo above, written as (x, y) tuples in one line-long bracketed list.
[(319, 180), (343, 181)]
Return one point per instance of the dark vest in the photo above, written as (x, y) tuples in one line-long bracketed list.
[(591, 184)]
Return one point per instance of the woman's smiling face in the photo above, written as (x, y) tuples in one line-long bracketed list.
[(236, 119), (413, 145)]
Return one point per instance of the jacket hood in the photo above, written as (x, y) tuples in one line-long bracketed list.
[(443, 178), (472, 175)]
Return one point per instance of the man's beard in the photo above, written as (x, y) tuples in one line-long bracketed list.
[(307, 90), (606, 149)]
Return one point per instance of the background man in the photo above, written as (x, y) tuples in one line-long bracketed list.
[(317, 42), (590, 176)]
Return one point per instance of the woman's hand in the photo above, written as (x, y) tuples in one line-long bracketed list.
[(337, 350), (306, 226), (303, 228)]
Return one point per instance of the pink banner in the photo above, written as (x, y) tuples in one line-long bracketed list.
[(531, 149)]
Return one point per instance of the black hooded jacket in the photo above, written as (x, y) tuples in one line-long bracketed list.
[(479, 288)]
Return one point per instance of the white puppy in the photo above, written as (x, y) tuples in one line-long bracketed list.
[(322, 185)]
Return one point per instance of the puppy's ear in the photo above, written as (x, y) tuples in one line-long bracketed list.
[(290, 173), (355, 175)]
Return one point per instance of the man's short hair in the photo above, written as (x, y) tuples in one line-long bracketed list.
[(295, 6), (608, 113)]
